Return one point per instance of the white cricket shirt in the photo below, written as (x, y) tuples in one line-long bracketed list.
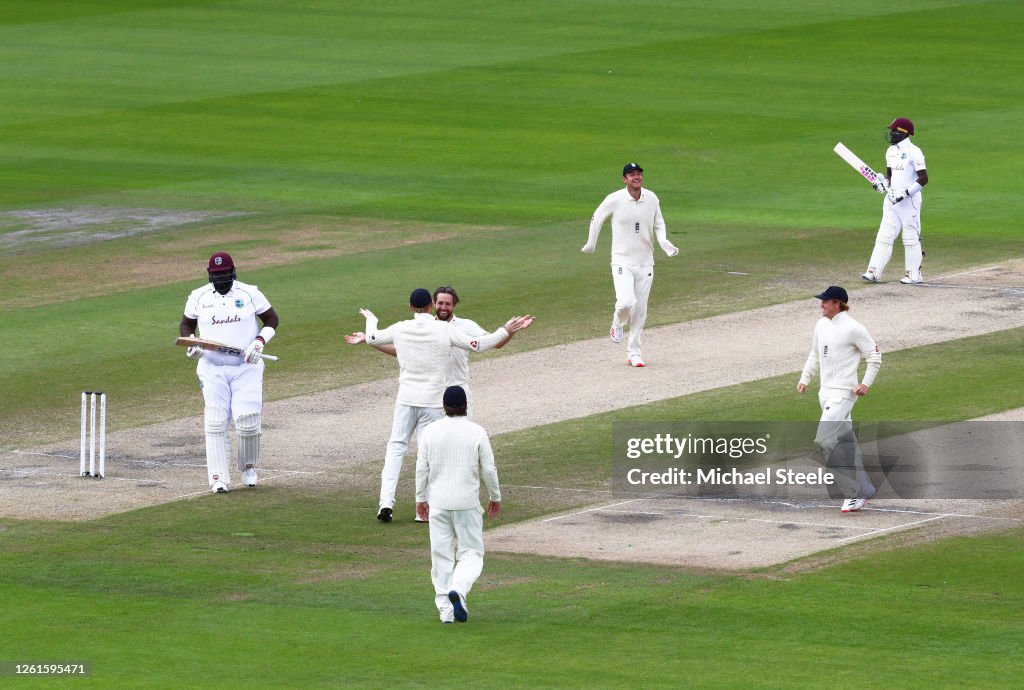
[(836, 350), (423, 345), (904, 159), (635, 225), (458, 360), (228, 319), (454, 455)]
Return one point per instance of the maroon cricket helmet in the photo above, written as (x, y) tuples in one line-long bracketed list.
[(221, 261), (902, 124)]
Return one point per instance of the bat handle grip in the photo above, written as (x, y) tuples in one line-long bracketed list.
[(272, 358)]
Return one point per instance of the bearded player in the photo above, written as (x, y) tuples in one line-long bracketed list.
[(457, 372), (226, 310), (901, 208)]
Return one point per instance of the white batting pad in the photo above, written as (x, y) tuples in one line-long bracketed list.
[(218, 445), (249, 428), (887, 233)]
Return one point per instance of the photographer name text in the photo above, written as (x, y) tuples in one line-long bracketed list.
[(717, 476)]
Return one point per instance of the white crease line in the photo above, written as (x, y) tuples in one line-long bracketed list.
[(558, 488), (989, 288), (967, 273), (924, 512), (269, 469), (772, 522), (591, 510), (935, 516), (47, 455), (889, 529), (144, 479), (741, 518)]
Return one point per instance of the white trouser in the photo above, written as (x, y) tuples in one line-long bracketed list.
[(229, 391), (407, 419), (237, 389), (903, 217), (456, 553), (632, 288), (839, 448)]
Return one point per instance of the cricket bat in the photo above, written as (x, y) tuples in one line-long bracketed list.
[(217, 347), (860, 166)]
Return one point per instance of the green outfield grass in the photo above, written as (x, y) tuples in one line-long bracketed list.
[(485, 141), (371, 148)]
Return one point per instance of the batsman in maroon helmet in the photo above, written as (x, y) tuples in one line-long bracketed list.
[(901, 209)]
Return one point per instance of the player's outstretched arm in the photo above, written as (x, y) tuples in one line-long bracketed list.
[(359, 337), (518, 323)]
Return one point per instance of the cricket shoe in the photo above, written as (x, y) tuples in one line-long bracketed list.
[(615, 332), (384, 515), (907, 280), (249, 476), (635, 361), (870, 277), (852, 505), (219, 488), (459, 604)]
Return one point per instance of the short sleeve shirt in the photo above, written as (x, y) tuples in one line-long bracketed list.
[(228, 319), (904, 159)]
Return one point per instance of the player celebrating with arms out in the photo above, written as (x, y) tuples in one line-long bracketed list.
[(226, 310), (901, 209), (636, 221), (457, 374)]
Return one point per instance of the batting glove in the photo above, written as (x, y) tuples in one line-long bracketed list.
[(881, 185), (896, 196), (253, 352), (194, 352), (588, 249)]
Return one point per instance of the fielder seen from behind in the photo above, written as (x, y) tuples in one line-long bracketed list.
[(839, 343), (457, 374), (454, 455), (901, 208), (423, 346), (636, 222), (226, 310)]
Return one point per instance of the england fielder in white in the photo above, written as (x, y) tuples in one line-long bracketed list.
[(636, 222), (423, 346), (838, 345), (901, 207), (226, 310), (454, 455), (457, 374)]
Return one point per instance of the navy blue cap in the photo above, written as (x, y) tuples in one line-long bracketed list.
[(454, 396), (420, 298), (834, 292), (630, 167)]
